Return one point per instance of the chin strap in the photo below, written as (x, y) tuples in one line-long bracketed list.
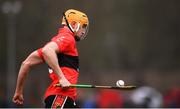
[(69, 26)]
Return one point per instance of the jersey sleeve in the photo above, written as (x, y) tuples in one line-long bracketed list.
[(62, 42)]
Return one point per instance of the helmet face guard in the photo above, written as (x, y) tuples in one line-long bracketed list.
[(85, 32), (81, 19)]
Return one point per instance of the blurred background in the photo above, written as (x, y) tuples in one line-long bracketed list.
[(133, 40)]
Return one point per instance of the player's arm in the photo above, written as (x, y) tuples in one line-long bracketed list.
[(49, 53), (30, 61)]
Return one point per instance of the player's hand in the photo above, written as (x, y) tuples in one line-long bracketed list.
[(64, 83), (18, 99)]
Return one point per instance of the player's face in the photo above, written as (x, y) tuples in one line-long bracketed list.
[(82, 32)]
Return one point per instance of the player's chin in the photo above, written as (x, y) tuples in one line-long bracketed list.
[(77, 38)]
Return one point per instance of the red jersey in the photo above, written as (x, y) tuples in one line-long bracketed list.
[(68, 62)]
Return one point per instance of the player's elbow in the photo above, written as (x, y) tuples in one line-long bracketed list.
[(26, 63)]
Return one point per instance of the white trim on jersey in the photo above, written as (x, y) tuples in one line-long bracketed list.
[(64, 102), (54, 101)]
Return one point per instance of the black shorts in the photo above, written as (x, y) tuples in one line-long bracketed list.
[(58, 101)]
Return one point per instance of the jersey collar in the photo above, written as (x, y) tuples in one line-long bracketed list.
[(65, 29)]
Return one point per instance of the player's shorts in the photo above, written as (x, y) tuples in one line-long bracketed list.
[(58, 101)]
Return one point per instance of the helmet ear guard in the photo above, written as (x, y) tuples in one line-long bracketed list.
[(77, 28)]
